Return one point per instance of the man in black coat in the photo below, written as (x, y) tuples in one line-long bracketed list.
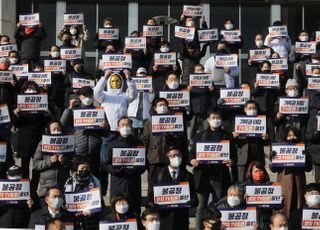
[(174, 173), (125, 179), (53, 209)]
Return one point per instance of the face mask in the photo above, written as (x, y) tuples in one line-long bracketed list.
[(73, 31), (13, 60), (228, 26), (154, 225), (122, 209), (56, 203), (304, 38), (222, 51), (56, 132), (252, 112), (233, 201), (313, 200), (55, 54), (173, 85), (190, 24), (175, 162), (292, 140), (293, 93), (125, 131), (84, 173), (162, 109), (259, 43), (315, 61), (281, 228), (87, 101), (164, 49), (215, 123), (258, 176), (3, 66), (15, 178), (108, 26), (110, 51), (30, 91)]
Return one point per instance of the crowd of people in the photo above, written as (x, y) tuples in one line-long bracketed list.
[(131, 122)]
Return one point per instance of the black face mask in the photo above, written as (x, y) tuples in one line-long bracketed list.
[(222, 51), (67, 42), (216, 226), (293, 141), (84, 173), (266, 71)]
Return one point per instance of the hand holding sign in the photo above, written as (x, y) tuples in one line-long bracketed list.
[(127, 74), (107, 74)]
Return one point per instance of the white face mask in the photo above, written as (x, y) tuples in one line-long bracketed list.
[(315, 61), (154, 225), (293, 93), (228, 26), (162, 109), (313, 200), (122, 209), (259, 43), (233, 201), (15, 178), (304, 38), (164, 49), (281, 228), (73, 31), (108, 26), (56, 203), (56, 132), (13, 60), (190, 24), (125, 131), (30, 91), (215, 123), (252, 112), (55, 54), (175, 162), (173, 85), (87, 101)]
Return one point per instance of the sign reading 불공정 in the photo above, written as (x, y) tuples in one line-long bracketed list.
[(135, 43), (236, 219), (313, 70), (58, 144), (234, 97), (310, 218), (305, 47), (73, 19), (152, 31), (89, 118), (288, 155), (167, 123), (54, 65), (264, 195), (33, 102), (78, 83), (176, 99), (5, 49), (259, 55), (14, 190), (279, 64), (84, 201), (129, 224), (165, 58), (108, 33), (184, 32), (29, 19), (20, 70), (116, 61), (129, 157), (70, 53), (213, 152)]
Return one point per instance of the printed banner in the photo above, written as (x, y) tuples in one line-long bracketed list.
[(200, 80), (250, 126), (231, 35), (243, 219), (213, 152), (278, 64), (41, 78), (269, 81), (29, 19), (5, 49), (58, 144), (88, 118), (70, 53), (129, 156), (54, 65), (165, 58), (135, 43), (108, 34), (294, 105), (6, 76), (129, 224), (14, 190), (4, 114), (172, 195), (226, 61), (116, 61), (305, 47), (143, 83), (84, 201), (208, 35), (73, 19), (152, 31), (264, 196), (235, 97), (184, 32), (278, 31), (310, 218), (176, 99), (3, 152), (259, 55), (33, 102), (314, 83), (313, 70), (288, 155), (167, 123), (193, 11), (78, 83), (20, 70)]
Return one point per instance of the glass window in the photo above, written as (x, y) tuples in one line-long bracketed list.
[(292, 16)]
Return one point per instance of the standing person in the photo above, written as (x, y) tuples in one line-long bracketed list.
[(125, 179), (29, 39), (258, 46), (292, 179), (234, 45), (173, 173)]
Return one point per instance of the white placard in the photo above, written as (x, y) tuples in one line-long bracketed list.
[(200, 80), (89, 118), (176, 99), (14, 190), (5, 49), (278, 31), (234, 97), (310, 219), (167, 123), (20, 70), (314, 83), (58, 144), (231, 35), (184, 32), (259, 55), (4, 114), (278, 64), (143, 83), (33, 102), (250, 126), (3, 152), (310, 70), (70, 53), (129, 156), (29, 19), (41, 78), (288, 155), (241, 219), (165, 58), (108, 33), (78, 83), (73, 19), (54, 65), (271, 81), (129, 224), (208, 35), (116, 61), (135, 43), (264, 196), (6, 76), (172, 194), (152, 31), (84, 201), (305, 47), (294, 105), (223, 61), (213, 152), (193, 11)]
